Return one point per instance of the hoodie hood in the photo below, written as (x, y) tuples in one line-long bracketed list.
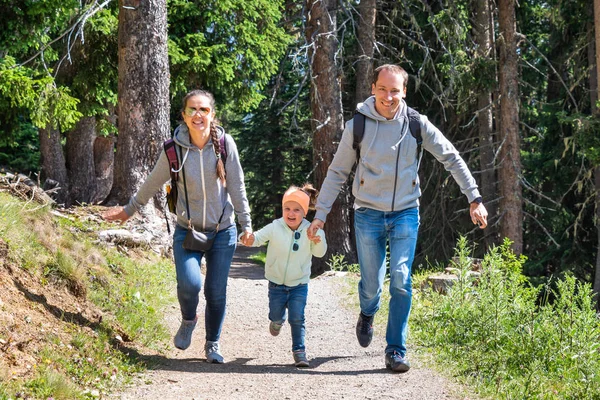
[(181, 136), (367, 108)]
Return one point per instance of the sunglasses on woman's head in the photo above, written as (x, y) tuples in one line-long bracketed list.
[(202, 111), (296, 245)]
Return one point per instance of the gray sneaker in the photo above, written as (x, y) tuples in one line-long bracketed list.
[(213, 353), (274, 328), (183, 338), (300, 359)]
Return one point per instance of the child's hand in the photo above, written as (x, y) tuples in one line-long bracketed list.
[(247, 238), (315, 239)]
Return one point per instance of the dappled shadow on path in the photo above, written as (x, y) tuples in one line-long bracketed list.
[(243, 267), (241, 365)]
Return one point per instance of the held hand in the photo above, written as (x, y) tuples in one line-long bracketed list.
[(479, 215), (115, 214), (247, 238), (315, 239), (315, 225)]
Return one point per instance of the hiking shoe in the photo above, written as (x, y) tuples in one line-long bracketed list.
[(300, 359), (274, 328), (396, 362), (183, 338), (213, 353), (364, 330)]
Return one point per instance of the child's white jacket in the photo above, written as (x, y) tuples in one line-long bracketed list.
[(284, 266)]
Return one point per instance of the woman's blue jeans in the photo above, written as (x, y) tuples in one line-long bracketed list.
[(374, 229), (189, 278), (292, 298)]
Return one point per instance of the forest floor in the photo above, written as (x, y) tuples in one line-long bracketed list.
[(259, 366)]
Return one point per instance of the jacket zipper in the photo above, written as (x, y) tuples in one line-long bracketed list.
[(203, 189), (396, 170), (287, 263)]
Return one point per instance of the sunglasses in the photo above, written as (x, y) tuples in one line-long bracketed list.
[(202, 111), (296, 246)]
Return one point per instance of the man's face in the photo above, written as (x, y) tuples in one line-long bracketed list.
[(389, 90)]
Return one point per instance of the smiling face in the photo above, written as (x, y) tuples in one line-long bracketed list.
[(198, 113), (292, 214), (389, 90)]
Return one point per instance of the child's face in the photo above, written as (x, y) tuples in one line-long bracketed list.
[(292, 214)]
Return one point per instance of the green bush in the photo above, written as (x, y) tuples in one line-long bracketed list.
[(494, 332)]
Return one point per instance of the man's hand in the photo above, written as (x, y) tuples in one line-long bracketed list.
[(315, 225), (479, 214), (115, 214)]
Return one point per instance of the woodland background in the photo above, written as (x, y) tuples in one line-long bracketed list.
[(89, 90)]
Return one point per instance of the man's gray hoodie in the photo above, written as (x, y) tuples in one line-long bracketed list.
[(387, 173), (207, 196)]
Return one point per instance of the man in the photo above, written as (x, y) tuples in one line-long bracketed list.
[(386, 191)]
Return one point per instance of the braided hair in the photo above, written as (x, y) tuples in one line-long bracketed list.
[(213, 129)]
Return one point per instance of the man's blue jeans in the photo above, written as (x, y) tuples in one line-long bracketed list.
[(189, 278), (294, 299), (373, 231)]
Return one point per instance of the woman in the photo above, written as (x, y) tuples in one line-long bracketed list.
[(214, 190)]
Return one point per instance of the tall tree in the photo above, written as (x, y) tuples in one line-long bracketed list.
[(143, 107), (511, 200), (367, 12), (327, 119), (594, 80), (483, 26)]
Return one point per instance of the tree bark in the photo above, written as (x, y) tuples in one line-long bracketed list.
[(327, 120), (594, 79), (367, 10), (104, 157), (511, 201), (80, 160), (484, 37), (53, 164), (143, 105)]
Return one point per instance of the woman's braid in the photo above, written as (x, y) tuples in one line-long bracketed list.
[(217, 145)]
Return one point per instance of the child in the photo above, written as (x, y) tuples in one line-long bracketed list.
[(287, 268)]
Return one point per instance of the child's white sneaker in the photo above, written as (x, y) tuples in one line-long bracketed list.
[(213, 353), (183, 338)]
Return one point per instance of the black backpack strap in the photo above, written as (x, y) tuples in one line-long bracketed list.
[(358, 131), (223, 142), (171, 152), (414, 124)]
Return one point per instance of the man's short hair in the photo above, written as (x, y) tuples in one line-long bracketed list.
[(394, 69)]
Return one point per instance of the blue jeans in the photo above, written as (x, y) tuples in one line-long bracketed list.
[(373, 231), (292, 298), (189, 278)]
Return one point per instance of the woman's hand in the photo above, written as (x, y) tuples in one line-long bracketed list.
[(115, 214)]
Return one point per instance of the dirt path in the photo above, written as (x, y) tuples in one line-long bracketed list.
[(259, 366)]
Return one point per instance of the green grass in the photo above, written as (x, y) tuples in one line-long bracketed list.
[(131, 290), (260, 257)]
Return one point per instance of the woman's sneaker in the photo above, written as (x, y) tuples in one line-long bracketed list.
[(396, 362), (183, 338), (274, 328), (300, 359), (213, 353)]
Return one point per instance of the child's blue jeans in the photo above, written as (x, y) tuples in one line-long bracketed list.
[(292, 298)]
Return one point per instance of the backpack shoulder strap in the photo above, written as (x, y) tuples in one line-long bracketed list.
[(171, 152), (223, 143), (414, 124), (358, 131)]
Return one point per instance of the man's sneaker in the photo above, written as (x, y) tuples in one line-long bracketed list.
[(183, 338), (213, 353), (396, 362), (274, 328), (300, 359), (364, 330)]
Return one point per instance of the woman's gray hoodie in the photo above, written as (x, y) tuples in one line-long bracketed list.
[(387, 174), (207, 196)]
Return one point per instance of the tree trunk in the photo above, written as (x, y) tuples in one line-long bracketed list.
[(80, 160), (594, 79), (104, 158), (511, 201), (484, 36), (367, 10), (327, 121), (54, 170), (143, 105)]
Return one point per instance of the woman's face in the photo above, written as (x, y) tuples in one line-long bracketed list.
[(198, 114), (292, 214)]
